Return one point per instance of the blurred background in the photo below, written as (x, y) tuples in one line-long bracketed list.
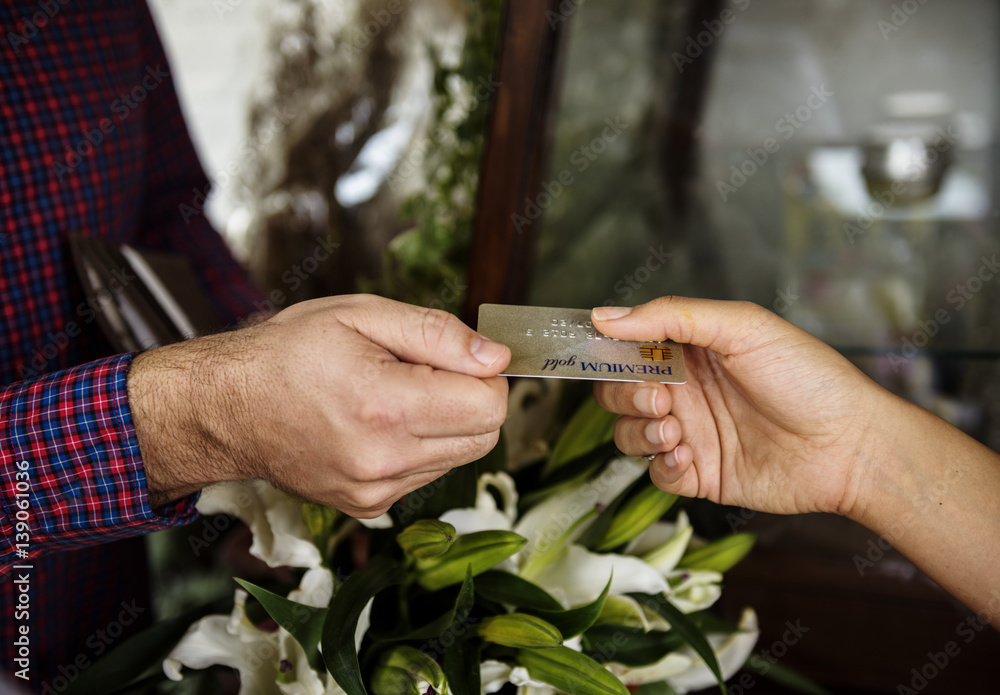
[(833, 160)]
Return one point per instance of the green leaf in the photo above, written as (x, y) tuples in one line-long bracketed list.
[(629, 645), (570, 671), (598, 530), (480, 550), (590, 427), (305, 623), (504, 587), (437, 627), (643, 510), (143, 653), (658, 688), (339, 651), (573, 621), (719, 555), (784, 676), (461, 667), (687, 629)]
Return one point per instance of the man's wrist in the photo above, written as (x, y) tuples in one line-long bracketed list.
[(181, 430)]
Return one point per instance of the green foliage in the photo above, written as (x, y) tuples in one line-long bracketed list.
[(426, 264), (570, 671), (720, 555), (304, 623)]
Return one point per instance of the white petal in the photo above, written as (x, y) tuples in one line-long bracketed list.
[(732, 652), (280, 536), (624, 610), (698, 590), (315, 589), (474, 519), (547, 522), (293, 544), (579, 576), (210, 641), (697, 598), (666, 557), (379, 522), (172, 668), (364, 622), (493, 675), (519, 676), (670, 665), (307, 681), (656, 535), (504, 484)]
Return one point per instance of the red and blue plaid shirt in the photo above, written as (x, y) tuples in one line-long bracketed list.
[(91, 141)]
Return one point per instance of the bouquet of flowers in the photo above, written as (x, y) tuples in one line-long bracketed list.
[(564, 576)]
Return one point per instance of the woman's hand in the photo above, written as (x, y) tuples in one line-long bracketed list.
[(770, 418)]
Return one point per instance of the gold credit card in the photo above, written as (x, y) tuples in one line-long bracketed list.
[(563, 344)]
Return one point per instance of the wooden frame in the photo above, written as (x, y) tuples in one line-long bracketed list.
[(500, 258)]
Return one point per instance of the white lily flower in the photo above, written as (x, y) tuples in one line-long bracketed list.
[(379, 522), (579, 576), (697, 590), (280, 536), (556, 519), (315, 589), (625, 610), (656, 535), (732, 651), (293, 657), (229, 641), (486, 516), (259, 655), (663, 544), (493, 675), (673, 664)]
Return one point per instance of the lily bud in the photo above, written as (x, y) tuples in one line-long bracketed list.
[(482, 550), (719, 555), (520, 631), (426, 538), (638, 514), (405, 670), (321, 522)]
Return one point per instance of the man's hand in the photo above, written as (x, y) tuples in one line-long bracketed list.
[(771, 418), (347, 401)]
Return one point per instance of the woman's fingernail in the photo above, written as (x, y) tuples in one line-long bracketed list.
[(654, 432), (670, 459), (486, 351), (609, 313), (645, 401)]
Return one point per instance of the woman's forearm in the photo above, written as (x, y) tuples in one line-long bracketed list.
[(933, 492)]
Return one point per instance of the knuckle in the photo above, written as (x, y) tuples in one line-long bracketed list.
[(371, 499), (436, 325), (496, 414), (378, 415)]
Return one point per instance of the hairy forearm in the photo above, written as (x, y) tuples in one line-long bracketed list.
[(181, 425), (934, 493)]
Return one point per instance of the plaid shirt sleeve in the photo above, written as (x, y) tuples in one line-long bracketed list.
[(72, 433), (72, 429)]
